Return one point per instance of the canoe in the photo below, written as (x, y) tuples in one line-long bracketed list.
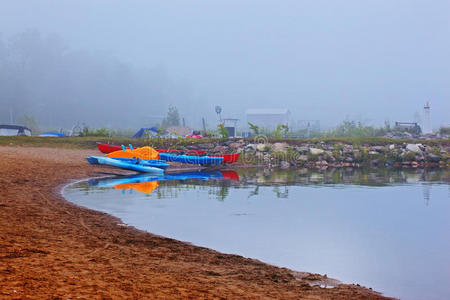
[(124, 165), (191, 159)]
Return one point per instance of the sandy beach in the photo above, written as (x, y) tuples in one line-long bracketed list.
[(52, 249)]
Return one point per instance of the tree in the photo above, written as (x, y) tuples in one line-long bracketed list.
[(254, 128), (223, 132), (281, 131), (172, 118)]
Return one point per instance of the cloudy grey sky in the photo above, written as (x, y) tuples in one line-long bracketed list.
[(326, 60)]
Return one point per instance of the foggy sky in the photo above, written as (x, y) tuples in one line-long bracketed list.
[(325, 60)]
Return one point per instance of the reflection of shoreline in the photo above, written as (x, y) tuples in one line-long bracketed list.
[(363, 177)]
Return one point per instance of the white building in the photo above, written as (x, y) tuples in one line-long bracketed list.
[(268, 119), (426, 126)]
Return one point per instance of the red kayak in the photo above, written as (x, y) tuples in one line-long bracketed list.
[(108, 148), (227, 158)]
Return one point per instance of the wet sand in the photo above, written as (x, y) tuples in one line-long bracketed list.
[(52, 249)]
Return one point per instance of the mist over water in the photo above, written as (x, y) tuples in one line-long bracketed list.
[(120, 64)]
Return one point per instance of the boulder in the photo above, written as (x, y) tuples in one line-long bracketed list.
[(379, 149), (280, 147), (413, 147), (433, 157), (302, 149), (347, 149), (284, 165), (205, 146), (302, 158), (220, 149), (262, 147), (316, 151), (348, 159), (235, 146), (250, 147)]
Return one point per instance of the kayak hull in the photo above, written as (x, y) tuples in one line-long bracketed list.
[(124, 165), (191, 159)]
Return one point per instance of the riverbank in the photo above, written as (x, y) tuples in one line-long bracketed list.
[(285, 153), (53, 249)]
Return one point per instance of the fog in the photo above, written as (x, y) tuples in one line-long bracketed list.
[(120, 64)]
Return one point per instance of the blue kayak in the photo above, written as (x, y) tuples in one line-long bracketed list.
[(123, 165), (189, 159), (156, 163)]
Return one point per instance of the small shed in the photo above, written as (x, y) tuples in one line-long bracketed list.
[(14, 130)]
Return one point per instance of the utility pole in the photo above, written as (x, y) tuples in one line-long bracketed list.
[(11, 119)]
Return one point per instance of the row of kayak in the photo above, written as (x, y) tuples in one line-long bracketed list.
[(227, 158)]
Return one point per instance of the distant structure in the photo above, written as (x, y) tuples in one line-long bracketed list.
[(268, 119), (308, 126), (426, 126), (230, 125), (412, 128)]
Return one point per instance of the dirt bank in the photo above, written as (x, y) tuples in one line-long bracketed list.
[(52, 249)]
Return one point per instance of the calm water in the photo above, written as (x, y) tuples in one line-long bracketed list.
[(389, 230)]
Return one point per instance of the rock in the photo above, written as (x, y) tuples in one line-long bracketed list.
[(379, 149), (433, 157), (284, 165), (347, 149), (235, 146), (391, 147), (348, 159), (322, 163), (413, 147), (220, 149), (373, 153), (250, 147), (316, 151), (280, 147), (302, 149), (374, 162), (205, 146), (262, 147), (302, 157)]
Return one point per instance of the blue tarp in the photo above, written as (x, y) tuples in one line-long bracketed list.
[(53, 134), (142, 131)]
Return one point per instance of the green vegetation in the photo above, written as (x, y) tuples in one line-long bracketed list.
[(357, 129), (223, 132), (98, 132), (444, 130), (254, 128), (281, 131), (172, 118)]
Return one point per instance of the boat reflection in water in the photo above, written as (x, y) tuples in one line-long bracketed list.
[(147, 183)]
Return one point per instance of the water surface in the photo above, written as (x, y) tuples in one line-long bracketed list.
[(385, 229)]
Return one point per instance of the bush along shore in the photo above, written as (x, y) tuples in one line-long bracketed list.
[(324, 154)]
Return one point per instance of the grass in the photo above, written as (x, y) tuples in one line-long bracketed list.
[(90, 142)]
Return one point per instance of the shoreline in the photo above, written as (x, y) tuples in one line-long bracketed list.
[(53, 248)]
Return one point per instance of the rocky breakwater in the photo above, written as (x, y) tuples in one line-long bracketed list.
[(323, 154)]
